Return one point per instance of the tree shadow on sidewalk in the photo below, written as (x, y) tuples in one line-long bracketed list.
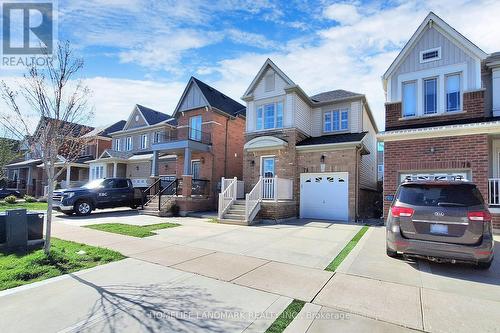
[(155, 308)]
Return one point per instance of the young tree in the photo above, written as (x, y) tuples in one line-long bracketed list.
[(55, 95), (9, 151)]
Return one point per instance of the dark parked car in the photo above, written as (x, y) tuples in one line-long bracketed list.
[(97, 194), (443, 221), (5, 192)]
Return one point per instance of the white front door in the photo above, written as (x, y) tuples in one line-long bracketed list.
[(324, 196)]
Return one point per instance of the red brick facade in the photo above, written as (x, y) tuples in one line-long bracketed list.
[(473, 107), (469, 153)]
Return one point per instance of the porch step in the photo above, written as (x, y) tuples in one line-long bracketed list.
[(234, 222), (236, 210), (234, 216)]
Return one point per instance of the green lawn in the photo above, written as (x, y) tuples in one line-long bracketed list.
[(286, 317), (346, 250), (20, 269), (28, 205), (132, 230)]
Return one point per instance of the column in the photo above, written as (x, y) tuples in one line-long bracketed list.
[(154, 164), (115, 169), (68, 175), (187, 161)]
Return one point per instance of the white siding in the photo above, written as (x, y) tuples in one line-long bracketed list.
[(368, 164), (451, 54), (355, 117), (193, 99), (260, 89), (317, 122), (302, 114), (250, 115)]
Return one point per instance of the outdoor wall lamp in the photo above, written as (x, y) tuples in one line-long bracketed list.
[(322, 163), (252, 162), (432, 150), (137, 168), (202, 160)]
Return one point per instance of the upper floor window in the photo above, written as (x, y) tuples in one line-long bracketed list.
[(430, 96), (144, 141), (195, 128), (116, 144), (409, 99), (269, 82), (270, 116), (430, 55), (157, 137), (128, 143), (453, 92), (336, 120)]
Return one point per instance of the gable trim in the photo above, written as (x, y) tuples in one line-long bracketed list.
[(129, 119), (446, 30), (260, 74), (184, 94)]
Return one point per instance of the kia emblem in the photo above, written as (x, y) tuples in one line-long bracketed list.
[(438, 214)]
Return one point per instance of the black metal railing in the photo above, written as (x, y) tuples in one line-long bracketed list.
[(185, 133), (161, 187), (200, 187), (150, 192), (169, 190)]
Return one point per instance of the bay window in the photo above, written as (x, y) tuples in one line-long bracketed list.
[(430, 96), (409, 99), (453, 92), (336, 120), (269, 116)]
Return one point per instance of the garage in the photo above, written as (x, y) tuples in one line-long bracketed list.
[(324, 196)]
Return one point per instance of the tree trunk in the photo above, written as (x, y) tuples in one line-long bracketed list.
[(50, 192)]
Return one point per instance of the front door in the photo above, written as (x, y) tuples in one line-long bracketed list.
[(195, 168), (268, 173), (195, 128)]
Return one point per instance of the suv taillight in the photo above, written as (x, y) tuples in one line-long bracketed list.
[(481, 216), (402, 211)]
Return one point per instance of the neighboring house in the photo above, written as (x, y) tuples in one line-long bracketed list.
[(308, 156), (380, 161), (442, 113), (129, 154), (28, 175)]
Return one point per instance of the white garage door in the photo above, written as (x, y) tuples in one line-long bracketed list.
[(324, 196)]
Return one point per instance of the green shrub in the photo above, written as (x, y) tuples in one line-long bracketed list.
[(11, 199), (29, 198)]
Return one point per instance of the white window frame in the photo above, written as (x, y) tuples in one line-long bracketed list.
[(339, 111), (262, 108), (461, 92), (157, 136), (423, 61), (193, 162), (144, 141), (415, 84), (116, 144), (128, 143), (436, 79)]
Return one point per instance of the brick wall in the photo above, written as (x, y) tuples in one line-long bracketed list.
[(496, 222), (277, 210), (469, 152), (473, 107)]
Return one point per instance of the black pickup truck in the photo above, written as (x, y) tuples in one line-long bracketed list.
[(97, 194)]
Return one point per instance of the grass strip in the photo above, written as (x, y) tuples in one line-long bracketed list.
[(17, 269), (130, 229), (26, 205), (346, 250), (286, 317)]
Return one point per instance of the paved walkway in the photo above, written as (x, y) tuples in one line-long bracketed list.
[(209, 269)]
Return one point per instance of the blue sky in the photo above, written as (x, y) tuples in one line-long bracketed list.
[(140, 51)]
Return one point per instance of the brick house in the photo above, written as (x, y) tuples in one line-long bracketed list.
[(183, 156), (443, 104), (307, 156)]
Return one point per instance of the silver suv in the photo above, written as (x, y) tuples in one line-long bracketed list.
[(443, 221)]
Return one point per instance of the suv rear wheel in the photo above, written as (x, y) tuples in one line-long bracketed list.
[(484, 264), (83, 208)]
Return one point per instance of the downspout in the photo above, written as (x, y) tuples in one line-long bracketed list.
[(356, 190), (225, 148)]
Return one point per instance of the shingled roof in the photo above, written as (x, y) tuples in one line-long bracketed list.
[(220, 101), (331, 96), (153, 117)]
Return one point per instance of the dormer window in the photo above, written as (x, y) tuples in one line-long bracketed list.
[(430, 55), (336, 120)]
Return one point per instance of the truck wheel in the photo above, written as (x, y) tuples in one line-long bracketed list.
[(83, 208)]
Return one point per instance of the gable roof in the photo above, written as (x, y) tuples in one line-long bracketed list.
[(214, 98), (331, 96), (69, 128), (105, 130), (260, 74), (151, 116), (446, 29)]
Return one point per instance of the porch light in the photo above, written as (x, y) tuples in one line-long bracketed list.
[(252, 162), (322, 163), (202, 160), (432, 150), (137, 167)]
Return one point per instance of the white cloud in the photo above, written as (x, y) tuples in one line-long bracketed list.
[(343, 13)]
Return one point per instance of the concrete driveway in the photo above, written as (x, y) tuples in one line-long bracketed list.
[(214, 269)]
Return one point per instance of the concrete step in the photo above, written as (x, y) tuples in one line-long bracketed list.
[(230, 221), (234, 217), (238, 210), (240, 202)]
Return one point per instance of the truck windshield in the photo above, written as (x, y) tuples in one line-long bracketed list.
[(93, 184)]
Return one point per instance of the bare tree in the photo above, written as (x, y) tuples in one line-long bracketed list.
[(55, 95)]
